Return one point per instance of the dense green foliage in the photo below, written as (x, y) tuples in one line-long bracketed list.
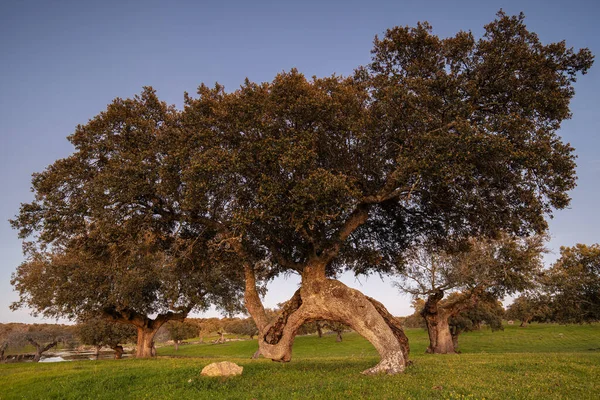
[(545, 361), (567, 292), (181, 330), (530, 307), (105, 235), (485, 267), (573, 284), (100, 332), (486, 310)]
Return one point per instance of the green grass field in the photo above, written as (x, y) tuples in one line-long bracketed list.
[(537, 362)]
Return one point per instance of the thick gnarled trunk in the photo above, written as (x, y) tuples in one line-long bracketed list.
[(146, 327), (440, 338), (320, 298), (438, 327), (145, 342), (40, 348)]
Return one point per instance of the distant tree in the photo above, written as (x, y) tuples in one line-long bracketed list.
[(197, 323), (485, 269), (5, 331), (415, 320), (528, 307), (573, 284), (484, 309), (42, 337), (319, 328), (3, 347), (179, 331), (487, 310), (307, 328), (338, 328), (242, 326), (207, 326), (101, 332)]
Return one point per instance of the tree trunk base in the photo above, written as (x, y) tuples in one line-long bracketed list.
[(390, 365), (145, 342), (118, 352), (327, 299)]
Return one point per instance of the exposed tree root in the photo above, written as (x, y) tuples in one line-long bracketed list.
[(327, 299)]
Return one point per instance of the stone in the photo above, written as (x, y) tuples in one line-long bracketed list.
[(223, 368)]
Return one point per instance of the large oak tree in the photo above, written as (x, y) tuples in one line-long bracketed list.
[(435, 138)]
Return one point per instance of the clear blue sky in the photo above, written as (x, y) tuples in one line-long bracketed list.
[(62, 62)]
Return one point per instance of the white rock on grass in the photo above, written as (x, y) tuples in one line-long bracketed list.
[(223, 368)]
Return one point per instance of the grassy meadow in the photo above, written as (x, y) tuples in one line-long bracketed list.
[(537, 362)]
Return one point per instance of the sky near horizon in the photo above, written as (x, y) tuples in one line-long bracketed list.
[(64, 61)]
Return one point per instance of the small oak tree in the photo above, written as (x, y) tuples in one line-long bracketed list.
[(573, 284), (528, 307), (42, 337), (180, 330), (486, 309), (488, 269), (101, 332), (242, 326)]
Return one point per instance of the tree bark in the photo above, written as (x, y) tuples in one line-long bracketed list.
[(320, 298), (176, 344), (3, 348), (455, 341), (98, 352), (40, 349), (118, 352), (339, 337), (145, 342), (146, 327), (319, 329), (438, 328), (525, 322)]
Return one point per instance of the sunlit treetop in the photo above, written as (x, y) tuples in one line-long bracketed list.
[(435, 138)]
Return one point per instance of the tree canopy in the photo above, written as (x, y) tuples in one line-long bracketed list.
[(105, 233), (99, 332)]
